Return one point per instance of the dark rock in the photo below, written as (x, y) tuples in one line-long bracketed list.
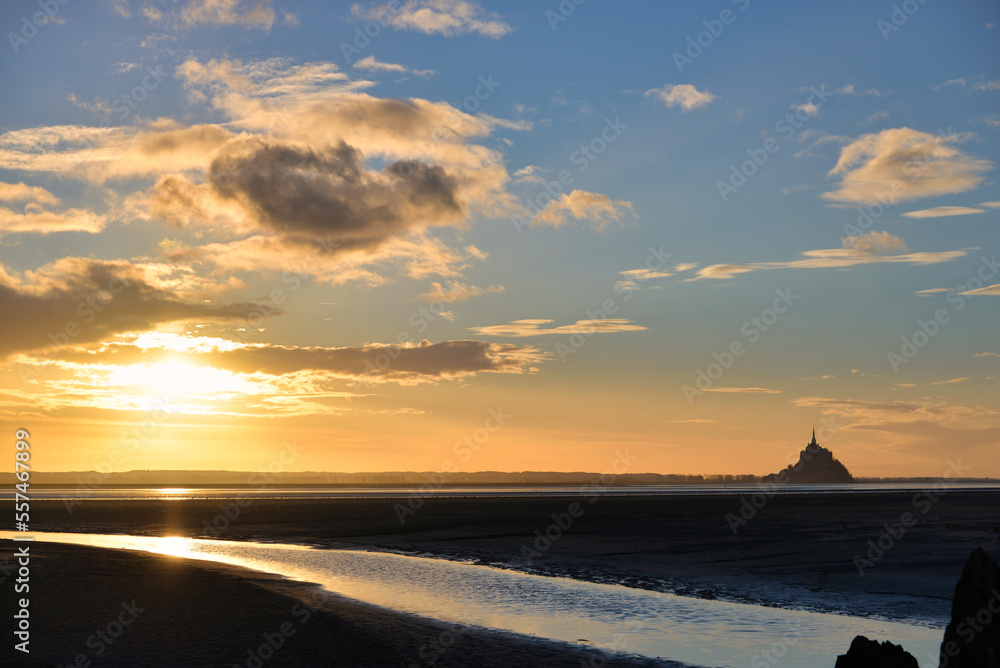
[(865, 653), (816, 465), (972, 639)]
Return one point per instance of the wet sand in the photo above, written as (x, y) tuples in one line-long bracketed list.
[(97, 607), (796, 551)]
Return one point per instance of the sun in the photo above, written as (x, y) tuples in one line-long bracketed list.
[(177, 378), (175, 546)]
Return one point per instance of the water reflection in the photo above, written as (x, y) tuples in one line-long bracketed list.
[(703, 632)]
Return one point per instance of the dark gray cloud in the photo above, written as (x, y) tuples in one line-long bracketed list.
[(80, 300), (427, 360), (307, 193)]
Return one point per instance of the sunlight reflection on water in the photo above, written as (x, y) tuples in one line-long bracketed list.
[(703, 632)]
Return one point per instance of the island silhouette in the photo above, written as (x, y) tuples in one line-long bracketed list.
[(816, 465)]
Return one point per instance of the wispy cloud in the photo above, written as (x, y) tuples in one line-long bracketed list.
[(953, 381), (600, 210), (988, 290), (456, 291), (249, 14), (941, 211), (743, 390), (438, 17), (371, 64), (903, 164), (685, 96), (521, 328), (871, 247)]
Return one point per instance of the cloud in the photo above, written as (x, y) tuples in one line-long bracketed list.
[(406, 363), (925, 425), (977, 81), (520, 328), (77, 300), (582, 205), (35, 220), (303, 172), (249, 14), (743, 390), (529, 174), (988, 290), (417, 256), (808, 108), (877, 116), (874, 242), (851, 90), (121, 8), (723, 271), (456, 292), (47, 222), (19, 192), (635, 278), (941, 211), (991, 205), (869, 248), (439, 17), (98, 155), (307, 194), (872, 411), (371, 64), (686, 96), (903, 164), (953, 381)]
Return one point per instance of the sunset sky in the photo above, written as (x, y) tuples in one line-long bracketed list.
[(362, 229)]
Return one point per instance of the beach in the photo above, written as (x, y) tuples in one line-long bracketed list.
[(121, 608), (796, 551)]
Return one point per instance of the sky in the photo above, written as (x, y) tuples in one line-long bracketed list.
[(459, 235)]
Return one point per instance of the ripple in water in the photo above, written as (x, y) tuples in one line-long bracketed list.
[(698, 631)]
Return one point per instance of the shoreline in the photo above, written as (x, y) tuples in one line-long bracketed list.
[(201, 613), (795, 553)]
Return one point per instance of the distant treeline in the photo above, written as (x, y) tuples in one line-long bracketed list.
[(389, 478)]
